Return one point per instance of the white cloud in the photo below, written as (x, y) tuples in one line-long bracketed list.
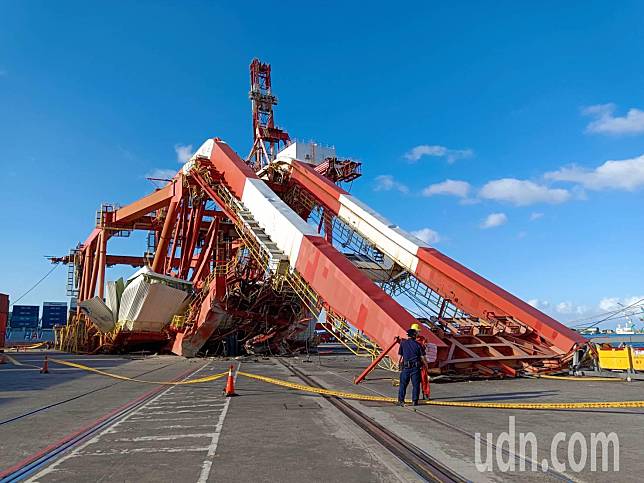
[(522, 192), (565, 308), (539, 304), (448, 187), (427, 235), (494, 219), (609, 304), (161, 173), (570, 308), (535, 216), (386, 182), (606, 123), (581, 314), (184, 152), (450, 155), (626, 174)]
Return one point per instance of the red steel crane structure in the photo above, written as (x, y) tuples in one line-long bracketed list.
[(267, 137), (273, 244)]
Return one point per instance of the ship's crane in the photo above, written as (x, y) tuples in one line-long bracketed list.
[(260, 249)]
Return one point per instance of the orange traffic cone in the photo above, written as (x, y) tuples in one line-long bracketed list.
[(230, 384), (45, 367)]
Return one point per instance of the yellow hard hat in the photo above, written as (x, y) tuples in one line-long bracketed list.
[(415, 327)]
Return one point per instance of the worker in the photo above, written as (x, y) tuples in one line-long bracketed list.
[(424, 370), (412, 358)]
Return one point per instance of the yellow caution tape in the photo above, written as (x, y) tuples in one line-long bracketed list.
[(34, 346), (212, 377), (317, 390), (365, 397), (580, 378), (466, 404)]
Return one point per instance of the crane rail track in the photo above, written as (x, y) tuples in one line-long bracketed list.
[(554, 474), (424, 465)]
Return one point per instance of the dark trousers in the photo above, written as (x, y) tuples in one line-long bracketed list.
[(406, 374)]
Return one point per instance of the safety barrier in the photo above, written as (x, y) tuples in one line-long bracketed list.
[(366, 397)]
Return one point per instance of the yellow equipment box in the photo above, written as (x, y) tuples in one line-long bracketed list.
[(638, 359), (621, 358)]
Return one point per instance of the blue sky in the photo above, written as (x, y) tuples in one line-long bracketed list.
[(486, 127)]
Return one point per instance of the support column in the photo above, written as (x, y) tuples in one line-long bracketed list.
[(164, 239), (175, 240), (202, 269), (102, 253), (92, 281), (85, 276), (187, 252)]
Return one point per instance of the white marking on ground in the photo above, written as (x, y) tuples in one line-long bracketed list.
[(15, 362), (184, 411), (186, 399), (185, 407), (76, 452), (159, 428), (212, 449), (165, 419), (189, 449), (166, 438)]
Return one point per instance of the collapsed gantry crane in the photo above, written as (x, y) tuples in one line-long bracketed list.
[(263, 250)]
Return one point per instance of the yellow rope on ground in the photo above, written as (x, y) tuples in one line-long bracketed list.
[(365, 397), (33, 346), (580, 378), (466, 404), (212, 377)]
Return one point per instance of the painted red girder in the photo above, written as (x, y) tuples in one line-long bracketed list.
[(466, 289), (159, 199)]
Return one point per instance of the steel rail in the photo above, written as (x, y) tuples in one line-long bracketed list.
[(468, 434), (425, 466)]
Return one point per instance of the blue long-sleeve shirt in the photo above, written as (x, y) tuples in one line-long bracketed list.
[(411, 350)]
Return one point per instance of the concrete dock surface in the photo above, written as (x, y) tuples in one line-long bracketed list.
[(271, 433)]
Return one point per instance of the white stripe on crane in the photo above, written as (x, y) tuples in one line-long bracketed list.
[(395, 242), (284, 227)]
